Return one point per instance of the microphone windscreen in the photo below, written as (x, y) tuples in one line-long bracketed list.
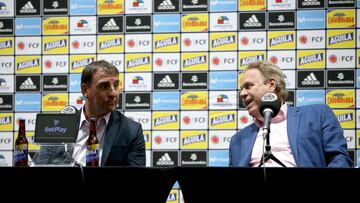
[(69, 109), (271, 101)]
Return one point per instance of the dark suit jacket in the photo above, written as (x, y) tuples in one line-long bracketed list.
[(315, 137), (123, 145)]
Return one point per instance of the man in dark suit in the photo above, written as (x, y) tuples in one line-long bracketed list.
[(121, 139), (307, 136)]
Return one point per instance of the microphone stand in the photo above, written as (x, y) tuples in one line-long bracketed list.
[(268, 154)]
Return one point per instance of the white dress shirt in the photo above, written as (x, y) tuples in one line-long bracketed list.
[(79, 153)]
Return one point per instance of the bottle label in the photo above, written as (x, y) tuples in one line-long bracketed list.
[(21, 152), (92, 153)]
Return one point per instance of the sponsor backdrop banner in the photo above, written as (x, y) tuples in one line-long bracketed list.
[(180, 64)]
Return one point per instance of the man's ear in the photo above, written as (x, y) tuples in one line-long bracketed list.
[(84, 89), (272, 84)]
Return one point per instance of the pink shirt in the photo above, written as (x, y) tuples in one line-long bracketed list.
[(279, 142)]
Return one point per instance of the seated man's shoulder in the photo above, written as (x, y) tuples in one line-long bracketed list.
[(313, 107), (245, 131), (125, 119)]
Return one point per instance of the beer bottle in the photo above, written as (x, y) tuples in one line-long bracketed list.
[(92, 146), (21, 146)]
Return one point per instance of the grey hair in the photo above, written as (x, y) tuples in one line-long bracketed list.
[(270, 71)]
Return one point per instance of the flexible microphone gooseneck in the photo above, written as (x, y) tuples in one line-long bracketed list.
[(70, 109), (269, 107)]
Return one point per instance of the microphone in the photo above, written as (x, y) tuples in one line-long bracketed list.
[(269, 107), (70, 109)]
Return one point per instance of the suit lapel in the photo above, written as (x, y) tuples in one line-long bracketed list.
[(110, 135), (249, 142), (293, 117)]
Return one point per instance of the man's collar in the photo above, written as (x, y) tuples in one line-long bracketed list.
[(281, 116), (83, 118)]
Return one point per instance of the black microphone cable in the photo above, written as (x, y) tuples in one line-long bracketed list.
[(269, 107), (70, 109), (75, 163), (263, 160)]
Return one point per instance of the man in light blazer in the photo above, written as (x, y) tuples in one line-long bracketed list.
[(121, 139), (307, 136)]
